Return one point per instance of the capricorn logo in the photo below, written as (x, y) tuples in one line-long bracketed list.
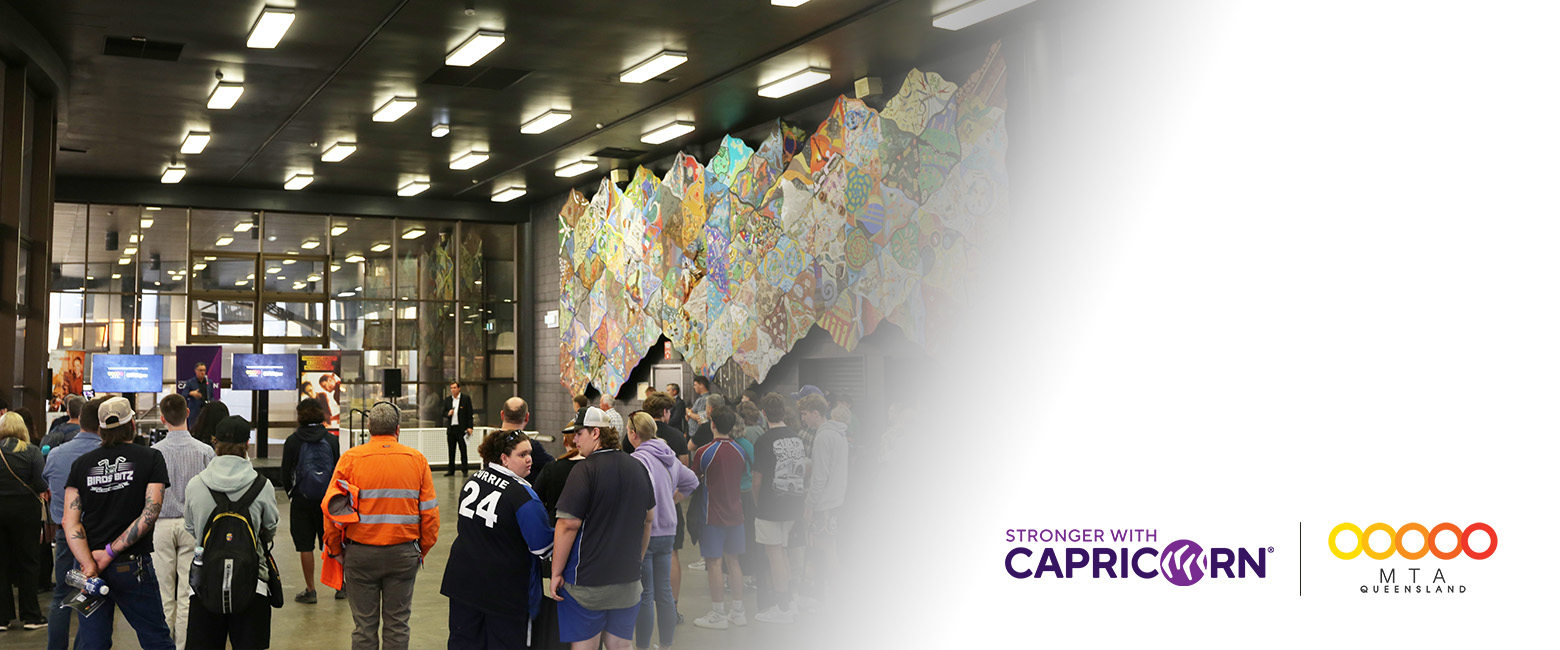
[(1183, 563)]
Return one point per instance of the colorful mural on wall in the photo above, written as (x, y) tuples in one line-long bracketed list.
[(874, 217)]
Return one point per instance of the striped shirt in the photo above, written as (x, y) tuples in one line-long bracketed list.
[(185, 457)]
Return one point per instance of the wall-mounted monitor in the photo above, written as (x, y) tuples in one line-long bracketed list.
[(127, 373), (265, 371)]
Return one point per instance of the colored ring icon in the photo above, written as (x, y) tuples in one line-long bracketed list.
[(1456, 550), (1332, 541), (1365, 541), (1403, 550), (1469, 549)]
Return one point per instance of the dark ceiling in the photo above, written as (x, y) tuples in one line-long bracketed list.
[(125, 117)]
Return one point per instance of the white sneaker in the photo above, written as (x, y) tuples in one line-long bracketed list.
[(713, 620), (737, 616), (697, 566), (774, 615)]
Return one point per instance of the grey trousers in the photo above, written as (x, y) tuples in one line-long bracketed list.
[(378, 582)]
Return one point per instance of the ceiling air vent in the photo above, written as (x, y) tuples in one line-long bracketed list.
[(140, 48), (618, 153), (484, 77)]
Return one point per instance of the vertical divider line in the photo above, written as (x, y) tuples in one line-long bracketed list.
[(1301, 540)]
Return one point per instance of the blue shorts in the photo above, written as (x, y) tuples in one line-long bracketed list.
[(715, 541), (575, 623)]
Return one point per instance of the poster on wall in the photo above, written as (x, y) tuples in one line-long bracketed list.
[(69, 369), (319, 376), (197, 371)]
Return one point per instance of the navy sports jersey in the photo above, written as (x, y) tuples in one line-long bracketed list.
[(501, 533), (610, 492)]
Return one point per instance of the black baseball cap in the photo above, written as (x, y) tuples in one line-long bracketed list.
[(232, 429)]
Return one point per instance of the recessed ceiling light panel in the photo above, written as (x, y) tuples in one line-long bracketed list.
[(545, 121), (339, 151), (414, 232), (394, 109), (299, 181), (270, 27), (975, 12), (173, 174), (653, 67), (468, 160), (508, 194), (668, 132), (476, 47), (440, 130), (225, 95), (576, 168), (195, 142), (380, 247), (413, 188), (804, 79)]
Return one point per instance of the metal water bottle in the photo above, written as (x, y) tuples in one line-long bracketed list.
[(195, 566), (93, 585)]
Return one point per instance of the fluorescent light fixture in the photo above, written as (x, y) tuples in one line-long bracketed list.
[(476, 47), (354, 258), (311, 244), (270, 27), (123, 261), (251, 276), (576, 168), (468, 160), (225, 95), (115, 276), (414, 232), (508, 194), (344, 294), (335, 231), (274, 269), (314, 278), (335, 267), (413, 188), (338, 152), (793, 83), (243, 226), (289, 261), (669, 132), (298, 285), (440, 130), (130, 250), (173, 174), (241, 283), (146, 222), (394, 109), (545, 121), (379, 248), (195, 142), (153, 208), (200, 267), (135, 238), (975, 12), (224, 240), (787, 3), (653, 67), (298, 181)]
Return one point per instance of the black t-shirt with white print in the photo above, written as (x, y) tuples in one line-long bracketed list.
[(111, 482)]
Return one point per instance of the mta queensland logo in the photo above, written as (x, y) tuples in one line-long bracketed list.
[(1182, 563), (1448, 544)]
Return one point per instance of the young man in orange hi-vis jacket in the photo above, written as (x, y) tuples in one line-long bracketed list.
[(383, 517)]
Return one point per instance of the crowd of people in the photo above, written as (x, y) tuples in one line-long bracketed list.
[(181, 532)]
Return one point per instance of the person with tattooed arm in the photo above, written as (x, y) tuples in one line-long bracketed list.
[(112, 499)]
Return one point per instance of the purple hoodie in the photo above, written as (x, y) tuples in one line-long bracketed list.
[(667, 475)]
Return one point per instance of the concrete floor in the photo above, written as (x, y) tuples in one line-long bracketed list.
[(328, 624)]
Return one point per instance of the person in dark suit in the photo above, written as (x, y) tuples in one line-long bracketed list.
[(197, 391), (457, 418), (679, 416)]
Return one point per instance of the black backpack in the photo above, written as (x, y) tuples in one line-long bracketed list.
[(315, 467), (231, 555)]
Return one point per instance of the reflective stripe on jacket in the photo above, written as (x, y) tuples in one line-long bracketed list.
[(381, 494)]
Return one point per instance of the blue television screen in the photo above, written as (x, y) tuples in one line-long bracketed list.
[(265, 371), (127, 373)]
